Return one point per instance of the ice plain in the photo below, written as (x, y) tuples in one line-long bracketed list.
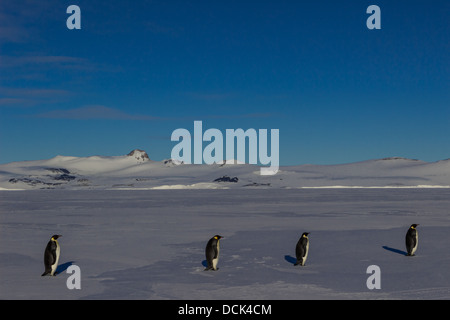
[(149, 244)]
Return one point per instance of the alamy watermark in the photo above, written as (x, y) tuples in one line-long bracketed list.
[(374, 21), (74, 280), (374, 280), (258, 147), (73, 22)]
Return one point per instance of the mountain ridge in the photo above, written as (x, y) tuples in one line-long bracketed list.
[(136, 171)]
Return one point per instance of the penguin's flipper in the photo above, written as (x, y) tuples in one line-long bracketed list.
[(304, 249), (410, 244), (50, 253), (53, 253)]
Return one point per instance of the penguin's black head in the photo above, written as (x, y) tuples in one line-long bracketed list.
[(413, 226), (217, 237), (305, 234), (56, 236)]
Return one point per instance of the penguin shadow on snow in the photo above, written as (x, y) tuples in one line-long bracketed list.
[(63, 267), (290, 259), (404, 253)]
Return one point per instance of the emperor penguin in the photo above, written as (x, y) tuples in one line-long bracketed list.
[(51, 256), (212, 252), (301, 250), (412, 239)]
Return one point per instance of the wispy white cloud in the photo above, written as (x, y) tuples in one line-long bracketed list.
[(32, 92), (99, 112), (15, 102), (39, 60), (26, 97), (94, 112)]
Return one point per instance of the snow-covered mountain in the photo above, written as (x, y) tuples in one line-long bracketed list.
[(137, 171)]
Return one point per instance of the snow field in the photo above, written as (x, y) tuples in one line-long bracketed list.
[(150, 244)]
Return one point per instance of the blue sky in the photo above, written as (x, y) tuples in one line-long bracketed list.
[(136, 71)]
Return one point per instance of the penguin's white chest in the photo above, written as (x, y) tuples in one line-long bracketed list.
[(305, 256), (216, 260), (306, 253), (417, 242), (55, 265)]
